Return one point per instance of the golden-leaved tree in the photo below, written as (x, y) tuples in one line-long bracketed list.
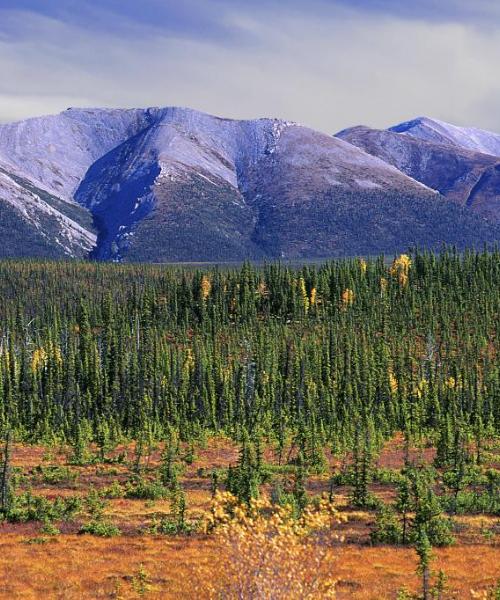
[(263, 551)]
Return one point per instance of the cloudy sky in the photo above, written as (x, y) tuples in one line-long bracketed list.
[(328, 64)]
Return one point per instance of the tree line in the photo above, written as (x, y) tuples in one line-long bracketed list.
[(320, 354)]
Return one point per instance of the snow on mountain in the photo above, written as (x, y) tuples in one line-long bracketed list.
[(469, 178), (56, 151), (176, 184), (469, 138), (63, 228), (235, 159)]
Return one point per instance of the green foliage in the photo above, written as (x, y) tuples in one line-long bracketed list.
[(55, 474), (170, 469), (387, 528), (440, 587), (267, 355), (145, 489), (81, 454), (94, 504), (439, 531), (6, 486), (428, 523), (49, 528), (100, 528), (113, 491), (244, 479), (416, 514), (387, 476), (170, 526), (405, 594), (423, 548), (362, 467), (175, 523), (28, 507), (299, 494), (141, 581), (38, 540)]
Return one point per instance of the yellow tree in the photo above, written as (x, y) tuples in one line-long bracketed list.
[(264, 552)]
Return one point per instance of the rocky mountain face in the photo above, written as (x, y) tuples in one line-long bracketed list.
[(34, 222), (178, 185)]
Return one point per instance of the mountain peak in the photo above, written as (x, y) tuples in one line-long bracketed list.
[(177, 184), (435, 130), (442, 156)]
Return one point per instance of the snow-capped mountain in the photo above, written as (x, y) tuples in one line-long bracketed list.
[(56, 151), (174, 184), (468, 138), (196, 186), (469, 178)]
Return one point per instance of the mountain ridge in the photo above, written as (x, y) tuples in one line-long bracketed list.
[(468, 138), (465, 176), (175, 184)]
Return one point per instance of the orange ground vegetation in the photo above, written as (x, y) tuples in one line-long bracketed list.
[(75, 567), (138, 564)]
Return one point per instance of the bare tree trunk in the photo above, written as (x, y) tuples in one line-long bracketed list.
[(426, 584)]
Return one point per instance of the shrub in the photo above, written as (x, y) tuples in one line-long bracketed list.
[(388, 529), (37, 540), (387, 476), (28, 507), (141, 581), (472, 502), (167, 525), (113, 491), (265, 552), (49, 529), (95, 504), (100, 528), (439, 531), (55, 474), (146, 490)]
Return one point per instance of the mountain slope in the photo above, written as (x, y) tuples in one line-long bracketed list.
[(468, 138), (173, 184), (56, 151), (468, 178), (193, 186), (37, 223)]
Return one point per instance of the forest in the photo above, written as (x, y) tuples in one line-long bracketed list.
[(273, 410)]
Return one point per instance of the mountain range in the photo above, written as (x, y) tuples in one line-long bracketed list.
[(175, 185)]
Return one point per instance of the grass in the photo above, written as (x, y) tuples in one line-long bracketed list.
[(72, 566), (134, 563)]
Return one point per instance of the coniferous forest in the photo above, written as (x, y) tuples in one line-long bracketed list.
[(308, 373)]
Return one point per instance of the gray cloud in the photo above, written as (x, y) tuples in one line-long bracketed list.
[(328, 73), (478, 13)]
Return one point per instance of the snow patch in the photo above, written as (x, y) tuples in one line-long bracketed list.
[(367, 184)]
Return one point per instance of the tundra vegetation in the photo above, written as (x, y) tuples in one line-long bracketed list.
[(251, 432)]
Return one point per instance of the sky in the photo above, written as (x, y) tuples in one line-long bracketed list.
[(328, 64)]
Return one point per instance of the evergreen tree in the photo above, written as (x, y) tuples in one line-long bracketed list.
[(6, 491)]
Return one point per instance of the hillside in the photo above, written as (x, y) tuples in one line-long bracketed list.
[(469, 178), (36, 223), (468, 138), (174, 184)]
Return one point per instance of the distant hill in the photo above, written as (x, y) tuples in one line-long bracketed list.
[(468, 138), (465, 176), (175, 184)]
